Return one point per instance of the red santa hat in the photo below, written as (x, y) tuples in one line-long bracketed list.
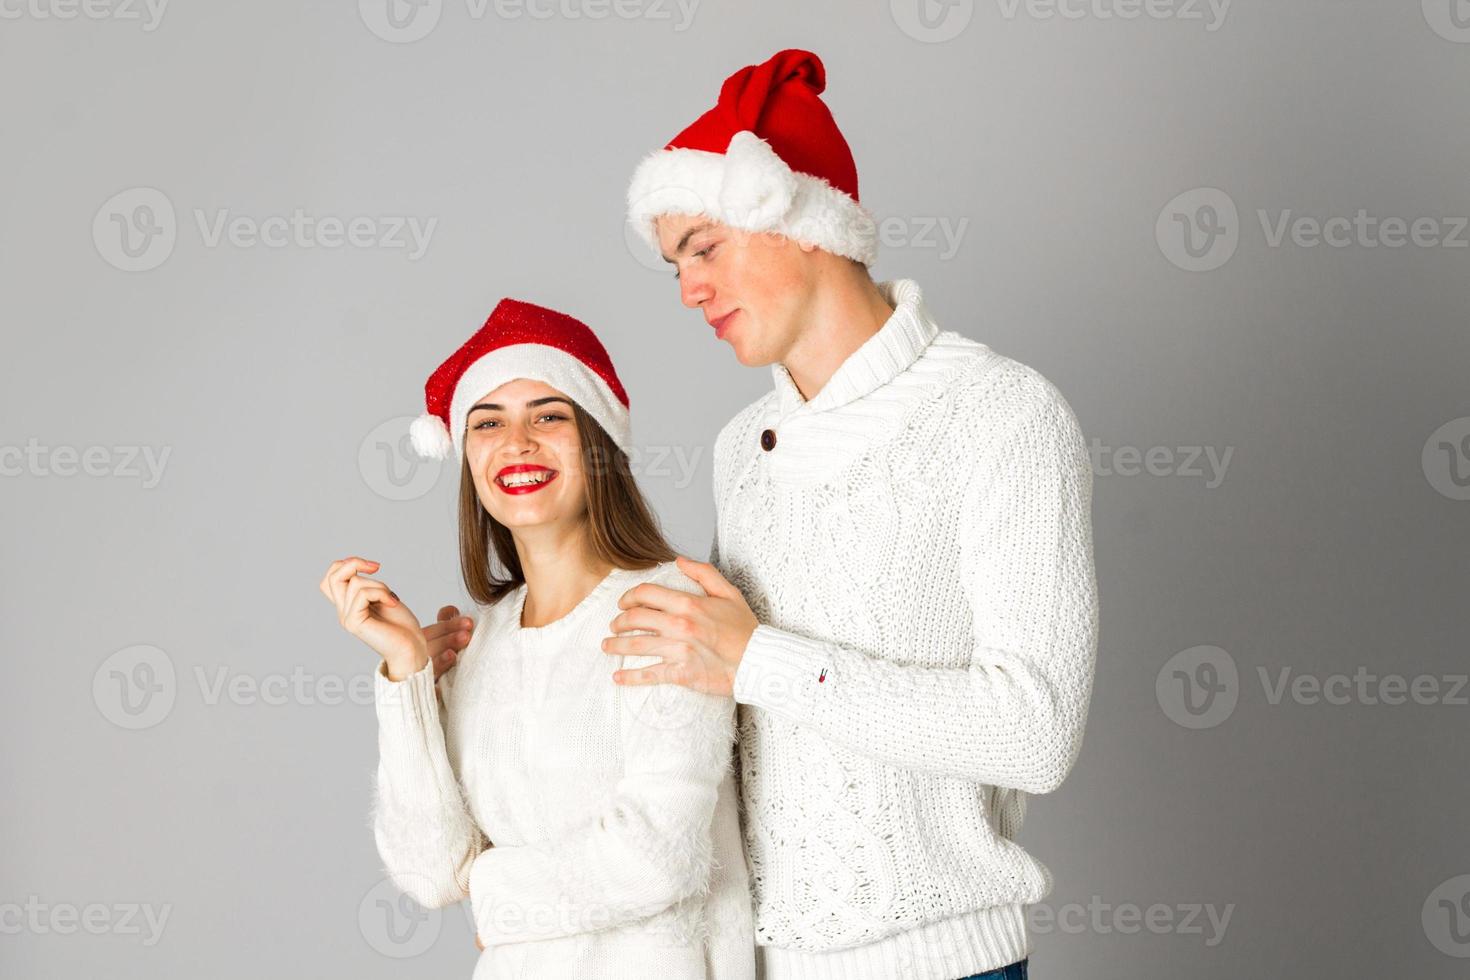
[(521, 340), (767, 157)]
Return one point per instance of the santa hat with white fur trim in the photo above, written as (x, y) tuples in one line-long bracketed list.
[(767, 157), (521, 340)]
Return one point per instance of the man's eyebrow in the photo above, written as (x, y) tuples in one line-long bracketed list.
[(530, 404), (684, 240)]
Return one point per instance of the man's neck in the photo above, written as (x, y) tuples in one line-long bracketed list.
[(842, 320)]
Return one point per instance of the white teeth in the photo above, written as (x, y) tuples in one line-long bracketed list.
[(521, 479)]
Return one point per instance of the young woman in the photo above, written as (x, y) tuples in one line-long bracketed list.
[(592, 826)]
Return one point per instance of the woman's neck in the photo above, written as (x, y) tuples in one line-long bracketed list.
[(559, 574)]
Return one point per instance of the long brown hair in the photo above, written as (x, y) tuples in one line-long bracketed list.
[(621, 528)]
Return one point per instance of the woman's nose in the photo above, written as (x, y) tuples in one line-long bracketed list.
[(520, 439)]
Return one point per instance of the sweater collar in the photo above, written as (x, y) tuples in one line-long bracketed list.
[(881, 358)]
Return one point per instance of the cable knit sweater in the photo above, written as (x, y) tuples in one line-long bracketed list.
[(612, 810), (915, 541)]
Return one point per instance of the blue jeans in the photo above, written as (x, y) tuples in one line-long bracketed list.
[(1016, 971)]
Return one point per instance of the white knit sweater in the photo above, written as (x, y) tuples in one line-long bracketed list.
[(612, 810), (917, 546)]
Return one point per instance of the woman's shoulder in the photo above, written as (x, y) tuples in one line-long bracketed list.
[(667, 574)]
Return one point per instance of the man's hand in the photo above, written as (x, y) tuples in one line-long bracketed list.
[(700, 638), (447, 638)]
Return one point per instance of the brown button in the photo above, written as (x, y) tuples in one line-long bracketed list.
[(768, 440)]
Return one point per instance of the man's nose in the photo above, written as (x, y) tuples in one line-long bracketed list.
[(693, 289)]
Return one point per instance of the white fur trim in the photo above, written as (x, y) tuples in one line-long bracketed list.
[(752, 188), (429, 437), (539, 362), (758, 185)]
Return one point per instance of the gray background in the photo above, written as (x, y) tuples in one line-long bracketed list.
[(279, 380)]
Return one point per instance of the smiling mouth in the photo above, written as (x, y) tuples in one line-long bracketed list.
[(525, 481), (722, 323)]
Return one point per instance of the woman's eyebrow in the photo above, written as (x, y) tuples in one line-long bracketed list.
[(530, 404)]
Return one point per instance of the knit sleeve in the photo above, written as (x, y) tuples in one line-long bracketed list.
[(426, 836), (1014, 716), (648, 848)]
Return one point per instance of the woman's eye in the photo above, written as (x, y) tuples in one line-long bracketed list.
[(553, 415), (483, 423)]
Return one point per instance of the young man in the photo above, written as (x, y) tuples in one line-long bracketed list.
[(901, 596)]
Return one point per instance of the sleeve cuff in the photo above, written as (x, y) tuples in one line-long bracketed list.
[(408, 711), (413, 695), (779, 671)]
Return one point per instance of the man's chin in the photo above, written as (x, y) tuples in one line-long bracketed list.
[(750, 358)]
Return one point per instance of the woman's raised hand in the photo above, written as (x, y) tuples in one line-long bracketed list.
[(370, 611)]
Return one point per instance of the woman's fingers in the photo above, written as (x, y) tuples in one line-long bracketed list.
[(448, 627), (658, 673), (360, 592), (455, 639), (443, 662), (340, 573)]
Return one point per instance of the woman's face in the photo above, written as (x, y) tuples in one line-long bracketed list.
[(525, 455)]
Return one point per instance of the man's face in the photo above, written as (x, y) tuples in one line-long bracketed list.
[(754, 288)]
